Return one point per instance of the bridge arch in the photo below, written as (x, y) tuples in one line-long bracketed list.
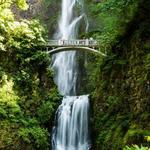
[(86, 49)]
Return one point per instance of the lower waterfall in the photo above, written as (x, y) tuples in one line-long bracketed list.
[(72, 128)]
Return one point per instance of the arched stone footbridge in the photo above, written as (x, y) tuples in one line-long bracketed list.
[(86, 45)]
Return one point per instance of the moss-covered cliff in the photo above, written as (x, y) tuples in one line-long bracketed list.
[(121, 100), (47, 11)]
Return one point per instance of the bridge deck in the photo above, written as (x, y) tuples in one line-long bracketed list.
[(69, 45), (73, 43)]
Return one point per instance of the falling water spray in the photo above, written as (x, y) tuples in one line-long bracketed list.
[(71, 131)]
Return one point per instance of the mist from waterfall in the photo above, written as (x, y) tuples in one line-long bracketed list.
[(71, 131)]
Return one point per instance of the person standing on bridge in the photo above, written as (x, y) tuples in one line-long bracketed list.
[(60, 42), (91, 42), (87, 42)]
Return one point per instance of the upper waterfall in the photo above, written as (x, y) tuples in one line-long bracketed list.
[(64, 64)]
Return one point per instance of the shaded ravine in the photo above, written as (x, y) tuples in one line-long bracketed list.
[(71, 130)]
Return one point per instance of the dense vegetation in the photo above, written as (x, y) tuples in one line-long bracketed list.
[(121, 106), (119, 84), (28, 96)]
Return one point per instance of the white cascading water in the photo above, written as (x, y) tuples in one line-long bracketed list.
[(71, 131)]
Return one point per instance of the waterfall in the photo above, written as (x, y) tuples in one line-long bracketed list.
[(71, 131)]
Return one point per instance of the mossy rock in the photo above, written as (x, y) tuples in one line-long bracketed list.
[(136, 136)]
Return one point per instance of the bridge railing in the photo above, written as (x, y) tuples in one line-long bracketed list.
[(86, 42)]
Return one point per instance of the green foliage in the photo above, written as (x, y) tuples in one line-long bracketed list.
[(112, 19), (136, 147), (8, 3), (121, 97), (28, 96), (16, 126), (113, 100), (147, 62), (22, 4), (45, 112), (136, 135), (35, 135)]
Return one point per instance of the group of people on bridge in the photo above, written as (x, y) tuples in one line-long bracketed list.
[(84, 42)]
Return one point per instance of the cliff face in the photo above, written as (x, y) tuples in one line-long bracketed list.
[(35, 8), (44, 10), (121, 106)]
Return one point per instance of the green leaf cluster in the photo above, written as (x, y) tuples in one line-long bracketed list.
[(136, 147), (22, 4)]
